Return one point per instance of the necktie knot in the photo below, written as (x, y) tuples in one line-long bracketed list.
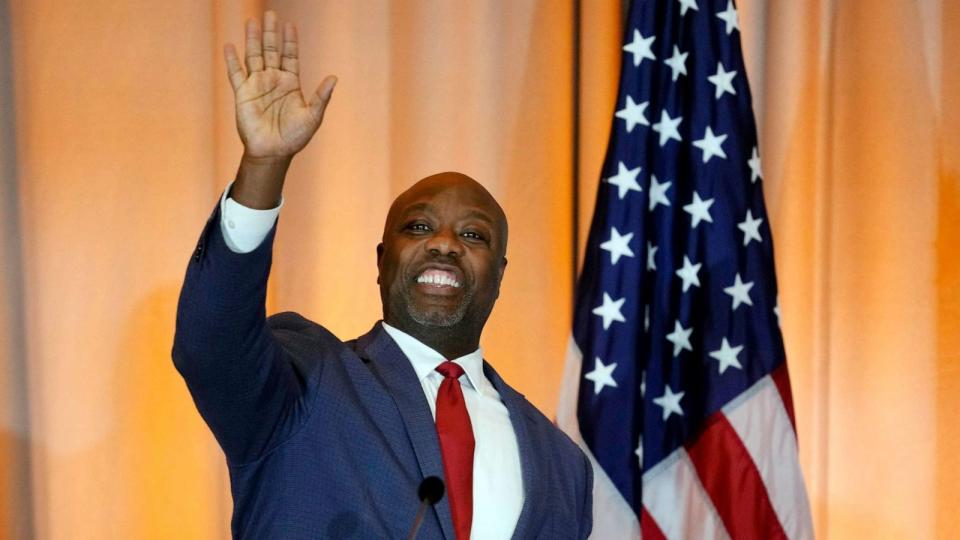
[(450, 370)]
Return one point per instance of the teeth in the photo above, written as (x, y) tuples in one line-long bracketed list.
[(438, 277)]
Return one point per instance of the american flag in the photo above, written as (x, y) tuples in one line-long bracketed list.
[(677, 383)]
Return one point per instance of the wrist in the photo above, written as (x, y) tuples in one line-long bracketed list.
[(259, 181)]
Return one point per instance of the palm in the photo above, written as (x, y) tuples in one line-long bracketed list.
[(273, 118)]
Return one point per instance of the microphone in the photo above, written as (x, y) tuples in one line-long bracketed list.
[(429, 492)]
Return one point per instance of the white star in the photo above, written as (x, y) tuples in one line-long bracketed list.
[(658, 192), (689, 273), (677, 62), (687, 4), (710, 144), (667, 127), (640, 47), (646, 322), (750, 227), (670, 402), (699, 210), (729, 16), (776, 311), (680, 337), (740, 292), (754, 164), (625, 180), (610, 310), (601, 375), (632, 114), (643, 384), (727, 356), (651, 261), (723, 80), (618, 245)]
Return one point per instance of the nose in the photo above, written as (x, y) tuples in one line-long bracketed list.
[(445, 242)]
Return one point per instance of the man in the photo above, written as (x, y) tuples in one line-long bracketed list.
[(330, 439)]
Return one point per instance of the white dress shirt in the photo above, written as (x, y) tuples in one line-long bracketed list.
[(497, 478)]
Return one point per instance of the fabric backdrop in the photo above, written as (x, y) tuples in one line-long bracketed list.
[(117, 135)]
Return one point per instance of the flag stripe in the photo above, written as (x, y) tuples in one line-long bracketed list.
[(649, 527), (781, 377), (673, 495), (730, 478), (761, 423)]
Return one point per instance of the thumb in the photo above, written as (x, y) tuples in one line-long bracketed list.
[(320, 99)]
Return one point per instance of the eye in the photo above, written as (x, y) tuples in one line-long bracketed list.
[(474, 235), (417, 226)]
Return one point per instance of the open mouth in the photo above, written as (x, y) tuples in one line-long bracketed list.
[(435, 277)]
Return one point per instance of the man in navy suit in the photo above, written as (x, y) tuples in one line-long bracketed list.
[(330, 439)]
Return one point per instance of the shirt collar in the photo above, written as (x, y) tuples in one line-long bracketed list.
[(425, 359)]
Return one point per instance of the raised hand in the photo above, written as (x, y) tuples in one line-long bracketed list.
[(273, 118)]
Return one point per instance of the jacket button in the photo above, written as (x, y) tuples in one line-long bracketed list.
[(197, 253)]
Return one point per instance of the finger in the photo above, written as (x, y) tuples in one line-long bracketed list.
[(234, 71), (254, 53), (320, 99), (290, 60), (271, 55)]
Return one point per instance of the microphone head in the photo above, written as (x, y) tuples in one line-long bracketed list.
[(431, 489)]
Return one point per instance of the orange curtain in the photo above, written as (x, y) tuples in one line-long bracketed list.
[(117, 135)]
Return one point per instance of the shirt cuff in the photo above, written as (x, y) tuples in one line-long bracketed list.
[(244, 228)]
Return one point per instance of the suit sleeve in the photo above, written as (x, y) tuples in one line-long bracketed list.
[(241, 380)]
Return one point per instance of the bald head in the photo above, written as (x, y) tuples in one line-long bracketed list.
[(467, 190)]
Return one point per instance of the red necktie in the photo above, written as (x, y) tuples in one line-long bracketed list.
[(456, 445)]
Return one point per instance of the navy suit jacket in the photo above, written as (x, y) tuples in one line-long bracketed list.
[(330, 439)]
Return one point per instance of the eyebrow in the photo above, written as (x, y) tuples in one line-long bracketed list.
[(428, 209)]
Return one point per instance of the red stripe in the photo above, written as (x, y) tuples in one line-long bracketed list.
[(648, 527), (781, 378), (733, 483)]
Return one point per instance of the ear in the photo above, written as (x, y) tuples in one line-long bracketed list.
[(379, 257)]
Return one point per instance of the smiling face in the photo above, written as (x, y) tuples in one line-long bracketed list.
[(442, 260)]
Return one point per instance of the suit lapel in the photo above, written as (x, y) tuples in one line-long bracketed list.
[(394, 372), (533, 496)]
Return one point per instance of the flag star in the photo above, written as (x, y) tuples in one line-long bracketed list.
[(711, 145), (680, 337), (643, 384), (677, 62), (699, 210), (689, 273), (633, 113), (667, 127), (618, 245), (729, 16), (625, 180), (723, 80), (640, 47), (610, 310), (670, 402), (754, 164), (740, 292), (651, 254), (751, 228), (658, 192), (776, 311), (727, 356), (602, 375), (646, 318), (687, 4)]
